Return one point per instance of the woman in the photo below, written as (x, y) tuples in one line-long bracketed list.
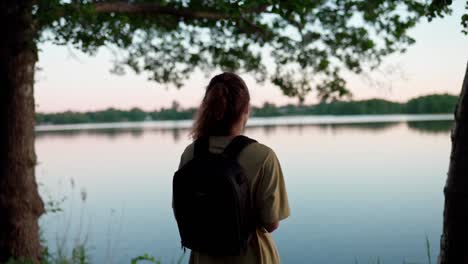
[(221, 117)]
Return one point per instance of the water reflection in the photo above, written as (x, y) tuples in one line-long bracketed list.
[(111, 133), (432, 127), (375, 127)]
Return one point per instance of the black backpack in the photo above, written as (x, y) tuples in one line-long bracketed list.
[(212, 203)]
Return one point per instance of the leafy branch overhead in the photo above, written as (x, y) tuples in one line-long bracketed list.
[(298, 45)]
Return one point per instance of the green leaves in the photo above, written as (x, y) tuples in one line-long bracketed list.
[(464, 22), (145, 257), (300, 46)]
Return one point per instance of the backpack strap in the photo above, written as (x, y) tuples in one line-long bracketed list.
[(236, 145), (201, 146)]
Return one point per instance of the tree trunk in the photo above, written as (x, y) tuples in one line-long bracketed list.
[(454, 240), (20, 203)]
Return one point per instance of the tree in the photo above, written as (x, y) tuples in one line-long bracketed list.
[(454, 240), (20, 204), (297, 45), (175, 106)]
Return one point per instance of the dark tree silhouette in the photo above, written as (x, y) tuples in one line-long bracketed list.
[(454, 240)]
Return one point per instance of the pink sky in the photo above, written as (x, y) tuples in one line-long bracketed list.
[(70, 80)]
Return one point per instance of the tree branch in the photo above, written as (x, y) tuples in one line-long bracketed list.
[(147, 8), (185, 13), (150, 8)]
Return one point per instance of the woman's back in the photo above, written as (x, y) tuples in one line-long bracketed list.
[(268, 194)]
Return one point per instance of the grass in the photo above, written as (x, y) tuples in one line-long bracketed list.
[(79, 255), (428, 254), (79, 252)]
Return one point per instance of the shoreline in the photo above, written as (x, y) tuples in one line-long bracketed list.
[(257, 121)]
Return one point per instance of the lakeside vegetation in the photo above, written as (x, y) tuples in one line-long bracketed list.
[(429, 104)]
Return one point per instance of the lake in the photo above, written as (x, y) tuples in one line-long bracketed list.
[(360, 188)]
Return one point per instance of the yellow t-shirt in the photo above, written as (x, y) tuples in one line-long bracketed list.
[(268, 195)]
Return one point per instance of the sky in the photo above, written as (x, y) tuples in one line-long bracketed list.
[(71, 80)]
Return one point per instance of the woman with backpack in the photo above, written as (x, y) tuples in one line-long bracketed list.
[(229, 193)]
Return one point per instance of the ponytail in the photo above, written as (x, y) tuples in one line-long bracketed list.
[(226, 100)]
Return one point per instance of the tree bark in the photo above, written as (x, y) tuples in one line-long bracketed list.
[(20, 203), (454, 240)]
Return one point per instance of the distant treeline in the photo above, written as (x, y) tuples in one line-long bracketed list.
[(430, 104)]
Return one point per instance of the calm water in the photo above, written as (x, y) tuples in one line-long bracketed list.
[(357, 191)]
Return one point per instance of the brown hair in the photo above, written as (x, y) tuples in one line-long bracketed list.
[(226, 99)]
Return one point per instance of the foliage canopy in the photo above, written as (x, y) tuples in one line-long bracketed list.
[(297, 45)]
